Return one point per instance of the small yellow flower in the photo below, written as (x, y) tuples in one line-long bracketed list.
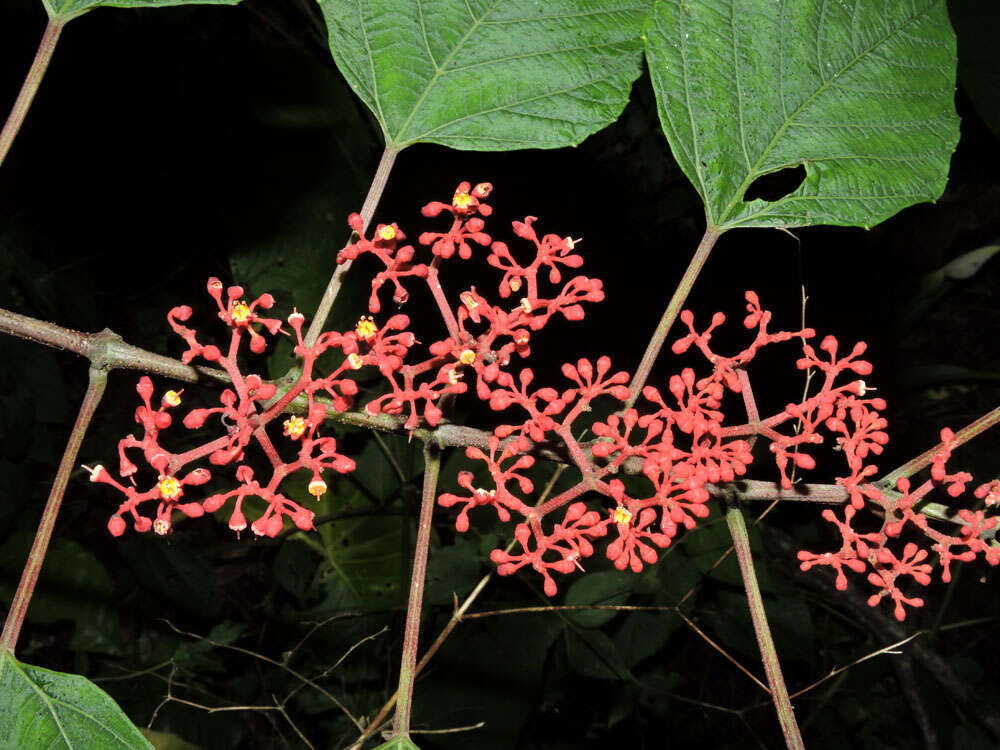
[(240, 312), (467, 357), (366, 328), (160, 526), (388, 232), (354, 360), (317, 487), (515, 283), (461, 201), (295, 427), (172, 398), (525, 304), (621, 515), (454, 376), (169, 487), (469, 301)]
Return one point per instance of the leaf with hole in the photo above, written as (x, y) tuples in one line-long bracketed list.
[(860, 94), (42, 708), (492, 75)]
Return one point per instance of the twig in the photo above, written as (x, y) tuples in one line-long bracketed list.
[(33, 567), (408, 665), (276, 663), (31, 82), (769, 655), (721, 650), (670, 314), (337, 279)]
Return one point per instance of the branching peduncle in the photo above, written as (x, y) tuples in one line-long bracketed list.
[(367, 211), (670, 314)]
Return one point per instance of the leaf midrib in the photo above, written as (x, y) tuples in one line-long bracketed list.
[(752, 174), (438, 70), (50, 703)]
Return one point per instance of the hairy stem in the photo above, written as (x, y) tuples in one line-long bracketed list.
[(367, 211), (35, 74), (971, 430), (107, 351), (769, 656), (29, 576), (670, 314), (408, 666)]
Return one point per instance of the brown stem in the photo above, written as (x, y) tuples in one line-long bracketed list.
[(925, 459), (670, 314), (367, 211), (107, 351), (408, 666), (35, 74), (769, 656), (29, 576), (887, 630)]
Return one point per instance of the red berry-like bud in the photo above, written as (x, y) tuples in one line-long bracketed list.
[(116, 525)]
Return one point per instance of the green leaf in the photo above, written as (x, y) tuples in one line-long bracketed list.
[(491, 75), (42, 708), (938, 284), (977, 23), (860, 94), (603, 588), (398, 743), (67, 9), (593, 654), (643, 634)]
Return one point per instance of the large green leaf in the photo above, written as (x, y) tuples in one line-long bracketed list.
[(42, 708), (859, 93), (490, 75), (67, 9)]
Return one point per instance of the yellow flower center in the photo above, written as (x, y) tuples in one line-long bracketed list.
[(454, 376), (169, 487), (354, 360), (160, 526), (467, 357), (366, 328), (317, 487), (295, 427), (240, 312), (461, 200), (622, 515), (515, 283), (172, 398), (387, 232)]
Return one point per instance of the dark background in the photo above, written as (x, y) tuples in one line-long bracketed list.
[(167, 146)]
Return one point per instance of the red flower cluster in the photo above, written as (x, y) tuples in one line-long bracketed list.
[(861, 552), (679, 445), (481, 338)]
